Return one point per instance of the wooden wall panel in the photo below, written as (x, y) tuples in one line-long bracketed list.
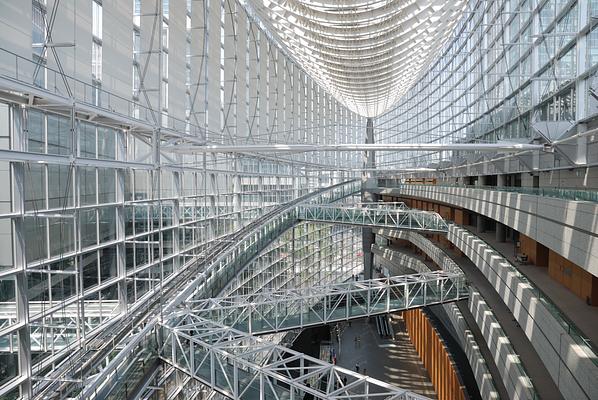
[(435, 357), (574, 278)]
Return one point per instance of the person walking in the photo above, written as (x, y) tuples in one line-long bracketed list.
[(357, 367)]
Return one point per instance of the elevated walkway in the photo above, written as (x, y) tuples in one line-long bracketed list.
[(241, 366), (277, 311), (374, 216)]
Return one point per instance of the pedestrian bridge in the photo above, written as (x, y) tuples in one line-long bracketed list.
[(241, 366), (275, 311), (374, 215)]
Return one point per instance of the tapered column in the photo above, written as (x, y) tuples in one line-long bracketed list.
[(368, 182)]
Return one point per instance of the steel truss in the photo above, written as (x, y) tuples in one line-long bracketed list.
[(242, 366), (274, 311), (217, 271), (379, 217)]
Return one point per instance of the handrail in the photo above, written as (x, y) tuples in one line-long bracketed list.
[(565, 193)]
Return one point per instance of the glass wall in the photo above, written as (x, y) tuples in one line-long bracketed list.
[(514, 70)]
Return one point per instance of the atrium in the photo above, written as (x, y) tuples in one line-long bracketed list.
[(298, 199)]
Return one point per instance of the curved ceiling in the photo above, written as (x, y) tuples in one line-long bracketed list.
[(367, 53)]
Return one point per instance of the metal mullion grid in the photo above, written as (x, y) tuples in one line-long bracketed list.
[(73, 253), (563, 11)]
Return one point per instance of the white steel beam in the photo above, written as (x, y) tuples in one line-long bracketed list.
[(298, 148)]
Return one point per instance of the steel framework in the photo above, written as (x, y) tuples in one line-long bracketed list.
[(242, 366), (380, 217), (274, 311), (392, 147), (367, 54), (211, 271)]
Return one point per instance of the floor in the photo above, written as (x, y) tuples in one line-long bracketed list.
[(575, 308), (390, 360)]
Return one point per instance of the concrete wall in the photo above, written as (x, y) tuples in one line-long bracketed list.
[(434, 252), (514, 377), (569, 228), (471, 349), (572, 365), (582, 178), (396, 261)]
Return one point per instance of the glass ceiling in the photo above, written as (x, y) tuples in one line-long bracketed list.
[(366, 53)]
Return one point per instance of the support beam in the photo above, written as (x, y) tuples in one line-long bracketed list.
[(300, 148)]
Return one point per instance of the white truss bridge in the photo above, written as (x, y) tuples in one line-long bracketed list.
[(394, 217), (275, 311)]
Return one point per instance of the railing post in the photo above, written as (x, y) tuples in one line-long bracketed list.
[(212, 369), (235, 380), (388, 290), (249, 320), (191, 357), (325, 308)]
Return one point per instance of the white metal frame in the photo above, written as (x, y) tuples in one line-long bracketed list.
[(241, 366), (274, 311), (380, 217)]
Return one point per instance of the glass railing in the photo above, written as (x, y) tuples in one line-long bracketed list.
[(568, 325), (556, 192)]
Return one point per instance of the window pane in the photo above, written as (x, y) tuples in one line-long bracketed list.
[(87, 140), (36, 131), (88, 224), (35, 187), (107, 263), (106, 185), (593, 47), (60, 186), (59, 138), (97, 20), (107, 225), (61, 235), (106, 144), (87, 185), (35, 232), (89, 265), (96, 61)]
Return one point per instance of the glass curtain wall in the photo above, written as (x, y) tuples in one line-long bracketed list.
[(514, 70)]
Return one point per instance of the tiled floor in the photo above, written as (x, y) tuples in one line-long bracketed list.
[(393, 361)]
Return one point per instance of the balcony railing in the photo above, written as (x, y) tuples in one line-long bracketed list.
[(555, 192)]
